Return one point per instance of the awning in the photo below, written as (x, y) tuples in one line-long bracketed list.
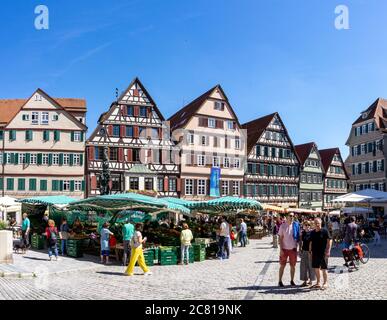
[(297, 210), (224, 204), (367, 195), (48, 200), (268, 207)]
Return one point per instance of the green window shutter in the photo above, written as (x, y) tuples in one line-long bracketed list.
[(50, 159), (28, 158), (32, 184), (10, 183), (81, 159), (40, 158), (54, 185), (60, 185), (71, 159), (61, 159), (56, 135), (43, 185), (28, 135), (12, 135), (46, 135), (1, 134), (72, 135), (72, 185), (21, 184), (82, 136), (16, 158), (1, 183), (83, 185), (12, 158)]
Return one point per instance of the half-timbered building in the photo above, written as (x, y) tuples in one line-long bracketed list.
[(141, 155), (43, 145), (210, 138), (272, 173), (335, 176)]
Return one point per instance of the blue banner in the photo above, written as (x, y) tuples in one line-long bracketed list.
[(214, 182)]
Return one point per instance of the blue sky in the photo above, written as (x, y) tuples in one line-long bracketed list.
[(283, 56)]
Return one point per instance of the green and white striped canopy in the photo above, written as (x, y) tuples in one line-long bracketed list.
[(48, 200), (224, 204)]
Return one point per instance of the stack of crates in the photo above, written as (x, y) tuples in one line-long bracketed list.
[(74, 248), (37, 241), (199, 252), (59, 245), (149, 256), (168, 256), (191, 254)]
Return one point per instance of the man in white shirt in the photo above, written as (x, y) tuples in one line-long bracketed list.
[(224, 233)]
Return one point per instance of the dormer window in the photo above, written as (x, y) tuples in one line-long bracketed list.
[(38, 97), (219, 105), (364, 115)]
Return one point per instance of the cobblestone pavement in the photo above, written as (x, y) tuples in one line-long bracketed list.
[(251, 273)]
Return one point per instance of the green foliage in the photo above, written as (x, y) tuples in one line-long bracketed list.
[(3, 225)]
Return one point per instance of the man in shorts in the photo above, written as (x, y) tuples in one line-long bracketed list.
[(320, 248), (289, 236)]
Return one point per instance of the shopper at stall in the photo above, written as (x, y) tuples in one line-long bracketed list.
[(185, 240), (127, 234), (105, 247), (307, 274), (224, 233), (64, 235), (243, 233), (320, 248), (45, 218), (52, 239), (26, 227), (137, 253), (289, 236), (77, 226)]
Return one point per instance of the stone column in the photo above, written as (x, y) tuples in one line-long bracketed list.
[(6, 244)]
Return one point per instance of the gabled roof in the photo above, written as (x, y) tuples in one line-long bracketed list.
[(137, 80), (376, 111), (255, 129), (327, 155), (182, 117), (303, 151), (9, 108)]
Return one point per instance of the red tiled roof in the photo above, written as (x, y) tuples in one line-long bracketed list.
[(376, 111), (181, 117), (255, 129), (303, 151)]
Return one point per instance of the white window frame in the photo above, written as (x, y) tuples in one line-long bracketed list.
[(218, 105), (77, 136), (33, 119), (379, 165), (33, 158), (191, 138), (205, 140), (216, 161), (77, 185), (66, 185), (237, 143), (235, 188), (55, 159), (189, 185), (237, 163), (26, 117), (45, 159), (45, 118), (22, 158), (212, 123), (201, 188), (226, 162), (381, 186), (55, 117), (66, 159), (230, 125), (201, 160), (77, 159), (225, 187)]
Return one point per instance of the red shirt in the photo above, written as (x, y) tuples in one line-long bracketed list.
[(49, 230)]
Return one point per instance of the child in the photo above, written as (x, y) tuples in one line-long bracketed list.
[(52, 239), (105, 248)]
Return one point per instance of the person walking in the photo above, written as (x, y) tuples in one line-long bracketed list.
[(224, 232), (307, 274), (243, 233), (137, 252), (105, 247), (64, 235), (52, 239), (320, 248), (26, 227), (335, 231), (127, 234), (289, 236), (276, 227), (185, 240), (376, 228)]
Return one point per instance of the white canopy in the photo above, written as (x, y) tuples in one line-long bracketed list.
[(367, 195), (7, 201)]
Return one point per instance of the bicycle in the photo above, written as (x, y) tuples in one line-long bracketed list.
[(357, 253)]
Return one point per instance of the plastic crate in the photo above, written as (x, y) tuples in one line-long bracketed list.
[(38, 241), (168, 262)]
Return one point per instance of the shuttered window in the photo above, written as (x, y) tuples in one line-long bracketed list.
[(10, 183), (56, 135), (28, 135), (21, 184), (46, 135), (43, 185), (32, 185)]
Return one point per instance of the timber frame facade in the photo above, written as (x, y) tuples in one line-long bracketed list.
[(272, 173), (142, 156)]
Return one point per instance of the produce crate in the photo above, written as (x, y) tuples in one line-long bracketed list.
[(191, 254), (74, 248), (168, 262), (38, 241), (149, 257), (199, 252)]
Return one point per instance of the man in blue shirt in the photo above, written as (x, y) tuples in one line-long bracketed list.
[(26, 226), (243, 233)]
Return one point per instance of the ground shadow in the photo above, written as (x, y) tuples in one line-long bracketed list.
[(267, 261), (273, 289), (34, 258), (110, 273)]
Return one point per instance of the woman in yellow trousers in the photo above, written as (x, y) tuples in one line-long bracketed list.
[(137, 253)]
